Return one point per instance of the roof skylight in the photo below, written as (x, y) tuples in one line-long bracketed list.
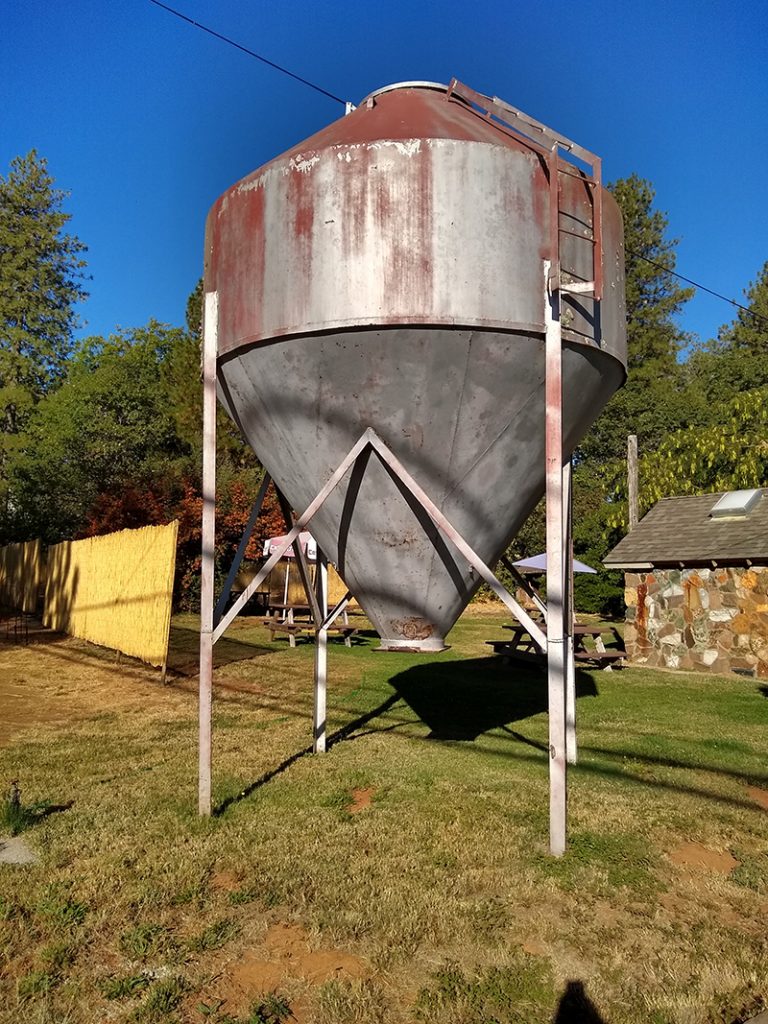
[(735, 503)]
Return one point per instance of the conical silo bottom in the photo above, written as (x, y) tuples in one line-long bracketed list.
[(464, 413)]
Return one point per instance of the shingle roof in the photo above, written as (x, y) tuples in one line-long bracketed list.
[(680, 530)]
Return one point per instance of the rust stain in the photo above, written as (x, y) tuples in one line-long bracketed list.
[(414, 628)]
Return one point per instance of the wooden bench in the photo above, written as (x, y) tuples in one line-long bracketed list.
[(294, 629), (605, 659), (509, 651)]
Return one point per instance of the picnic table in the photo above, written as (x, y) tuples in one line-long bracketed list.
[(294, 619), (523, 647)]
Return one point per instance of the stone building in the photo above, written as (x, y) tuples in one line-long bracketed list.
[(696, 584)]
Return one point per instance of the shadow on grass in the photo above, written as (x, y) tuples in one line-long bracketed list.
[(184, 651), (461, 700), (575, 1006), (345, 733)]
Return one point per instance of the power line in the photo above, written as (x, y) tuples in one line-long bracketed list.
[(701, 287), (251, 53), (338, 99)]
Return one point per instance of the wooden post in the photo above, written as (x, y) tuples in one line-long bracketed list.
[(210, 331), (632, 498)]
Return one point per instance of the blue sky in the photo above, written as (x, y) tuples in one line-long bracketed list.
[(146, 120)]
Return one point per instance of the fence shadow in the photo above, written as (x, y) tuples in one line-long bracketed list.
[(184, 651)]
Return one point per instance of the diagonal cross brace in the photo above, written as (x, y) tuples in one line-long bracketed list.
[(221, 604), (369, 438)]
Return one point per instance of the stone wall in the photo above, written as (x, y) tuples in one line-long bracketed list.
[(707, 620)]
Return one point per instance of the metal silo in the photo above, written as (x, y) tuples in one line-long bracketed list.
[(387, 273), (392, 272)]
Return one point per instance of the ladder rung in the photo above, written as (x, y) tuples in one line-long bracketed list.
[(578, 287)]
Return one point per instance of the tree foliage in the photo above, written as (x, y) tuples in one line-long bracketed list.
[(105, 427), (41, 275), (653, 401), (726, 455)]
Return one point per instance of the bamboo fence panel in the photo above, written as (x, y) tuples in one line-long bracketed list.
[(21, 573), (337, 588), (115, 590)]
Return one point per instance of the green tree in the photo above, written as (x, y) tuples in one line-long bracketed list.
[(656, 398), (106, 428), (728, 454), (737, 360), (41, 274), (183, 382), (749, 331)]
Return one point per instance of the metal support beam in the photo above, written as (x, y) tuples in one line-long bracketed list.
[(570, 661), (221, 604), (210, 345), (301, 523), (556, 655), (301, 561), (555, 648), (437, 517), (525, 585), (319, 724)]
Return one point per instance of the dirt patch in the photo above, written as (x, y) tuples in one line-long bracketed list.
[(695, 855), (361, 800), (534, 947), (225, 881), (287, 940), (285, 961), (15, 850), (760, 796), (253, 976)]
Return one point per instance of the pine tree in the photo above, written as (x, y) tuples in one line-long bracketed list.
[(749, 331), (737, 360), (654, 297), (41, 274), (651, 403)]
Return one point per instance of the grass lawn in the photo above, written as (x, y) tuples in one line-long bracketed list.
[(403, 876)]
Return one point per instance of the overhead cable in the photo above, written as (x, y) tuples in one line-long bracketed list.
[(338, 99), (251, 53), (701, 287)]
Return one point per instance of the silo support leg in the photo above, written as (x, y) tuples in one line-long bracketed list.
[(556, 563), (570, 664), (210, 329), (319, 725)]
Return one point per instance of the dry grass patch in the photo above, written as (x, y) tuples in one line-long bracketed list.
[(438, 901)]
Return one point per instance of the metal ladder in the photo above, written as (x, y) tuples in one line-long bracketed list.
[(548, 144)]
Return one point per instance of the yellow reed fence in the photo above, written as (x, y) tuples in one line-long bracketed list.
[(21, 574), (276, 584), (115, 590)]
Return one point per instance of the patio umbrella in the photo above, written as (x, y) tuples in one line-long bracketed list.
[(538, 563)]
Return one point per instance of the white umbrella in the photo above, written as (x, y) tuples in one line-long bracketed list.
[(538, 563)]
